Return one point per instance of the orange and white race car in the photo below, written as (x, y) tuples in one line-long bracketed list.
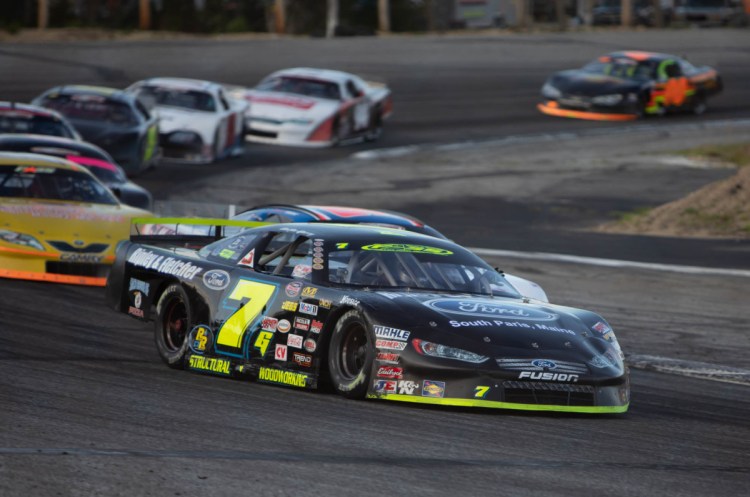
[(627, 85)]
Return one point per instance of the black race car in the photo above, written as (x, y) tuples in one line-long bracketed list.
[(112, 119), (628, 85), (374, 312), (25, 118), (88, 155)]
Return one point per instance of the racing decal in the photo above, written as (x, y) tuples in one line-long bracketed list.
[(488, 308), (309, 291), (284, 326), (346, 300), (166, 265), (390, 372), (301, 359), (73, 257), (387, 357), (407, 387), (310, 345), (248, 260), (216, 279), (297, 103), (433, 388), (325, 304), (385, 386), (210, 364), (301, 271), (293, 289), (394, 333), (269, 323), (310, 309), (538, 375), (406, 247), (294, 341), (141, 286), (152, 141), (389, 344), (302, 323), (289, 378), (255, 295), (280, 353), (61, 212), (226, 253), (288, 305), (263, 341), (316, 326), (200, 339), (480, 392)]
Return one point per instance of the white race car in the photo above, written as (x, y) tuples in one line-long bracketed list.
[(198, 121), (314, 108)]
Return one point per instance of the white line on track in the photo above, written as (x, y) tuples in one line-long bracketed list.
[(693, 369), (384, 153), (595, 261)]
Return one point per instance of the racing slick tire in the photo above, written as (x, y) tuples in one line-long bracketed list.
[(376, 127), (699, 106), (351, 353), (175, 319)]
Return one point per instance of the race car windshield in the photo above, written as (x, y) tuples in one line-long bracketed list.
[(37, 125), (52, 184), (302, 86), (91, 107), (173, 97), (625, 69), (416, 267)]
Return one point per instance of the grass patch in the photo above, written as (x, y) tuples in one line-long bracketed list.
[(737, 153), (632, 216), (693, 218)]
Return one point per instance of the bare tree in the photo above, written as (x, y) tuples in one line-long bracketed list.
[(384, 16), (279, 13), (42, 14), (144, 14), (626, 12), (332, 18)]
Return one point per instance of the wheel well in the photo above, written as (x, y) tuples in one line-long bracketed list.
[(200, 309), (323, 373)]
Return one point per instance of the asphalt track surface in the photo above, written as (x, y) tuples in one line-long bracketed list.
[(89, 409)]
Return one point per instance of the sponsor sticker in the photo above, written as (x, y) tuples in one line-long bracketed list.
[(407, 248), (381, 343), (302, 323), (248, 260), (432, 388), (347, 300), (269, 323), (292, 289), (301, 271), (309, 291), (538, 375), (489, 309), (316, 326), (288, 305), (163, 264), (199, 339), (387, 357), (317, 267), (227, 254), (310, 345), (134, 311), (280, 353), (325, 304), (263, 341), (385, 386), (303, 360), (310, 309), (216, 279), (295, 341), (284, 326), (289, 378), (139, 285), (390, 372), (210, 364), (406, 387), (394, 333), (138, 299)]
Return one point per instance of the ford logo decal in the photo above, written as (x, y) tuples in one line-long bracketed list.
[(543, 363), (489, 309), (216, 279)]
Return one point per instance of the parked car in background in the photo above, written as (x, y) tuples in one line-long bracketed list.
[(610, 12), (85, 154), (24, 118), (717, 12), (315, 108), (199, 121), (112, 119)]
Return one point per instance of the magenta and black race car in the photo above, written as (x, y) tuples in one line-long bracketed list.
[(374, 312)]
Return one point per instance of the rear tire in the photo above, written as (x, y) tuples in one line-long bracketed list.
[(173, 324), (351, 353), (699, 107), (376, 127)]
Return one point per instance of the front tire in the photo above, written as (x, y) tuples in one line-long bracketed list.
[(351, 353), (173, 324)]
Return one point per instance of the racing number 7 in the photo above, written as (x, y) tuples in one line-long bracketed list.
[(258, 295)]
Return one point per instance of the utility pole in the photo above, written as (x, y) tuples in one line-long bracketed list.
[(279, 13), (626, 13), (332, 20), (42, 19), (384, 16), (144, 14)]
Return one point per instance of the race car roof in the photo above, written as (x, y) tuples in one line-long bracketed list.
[(313, 73), (101, 91), (31, 140), (181, 83), (26, 159), (639, 56), (29, 109)]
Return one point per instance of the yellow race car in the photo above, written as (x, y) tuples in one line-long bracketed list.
[(58, 223)]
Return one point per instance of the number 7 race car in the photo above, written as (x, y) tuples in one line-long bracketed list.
[(374, 312), (314, 108)]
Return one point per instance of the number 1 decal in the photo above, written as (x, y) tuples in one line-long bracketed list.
[(258, 295)]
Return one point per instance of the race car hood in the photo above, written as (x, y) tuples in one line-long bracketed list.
[(508, 328), (279, 106), (175, 119), (76, 224), (579, 82)]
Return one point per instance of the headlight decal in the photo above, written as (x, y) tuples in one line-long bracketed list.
[(423, 347)]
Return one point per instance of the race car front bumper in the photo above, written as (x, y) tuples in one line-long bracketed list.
[(26, 264), (552, 108)]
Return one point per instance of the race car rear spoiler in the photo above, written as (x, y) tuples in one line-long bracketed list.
[(185, 231)]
